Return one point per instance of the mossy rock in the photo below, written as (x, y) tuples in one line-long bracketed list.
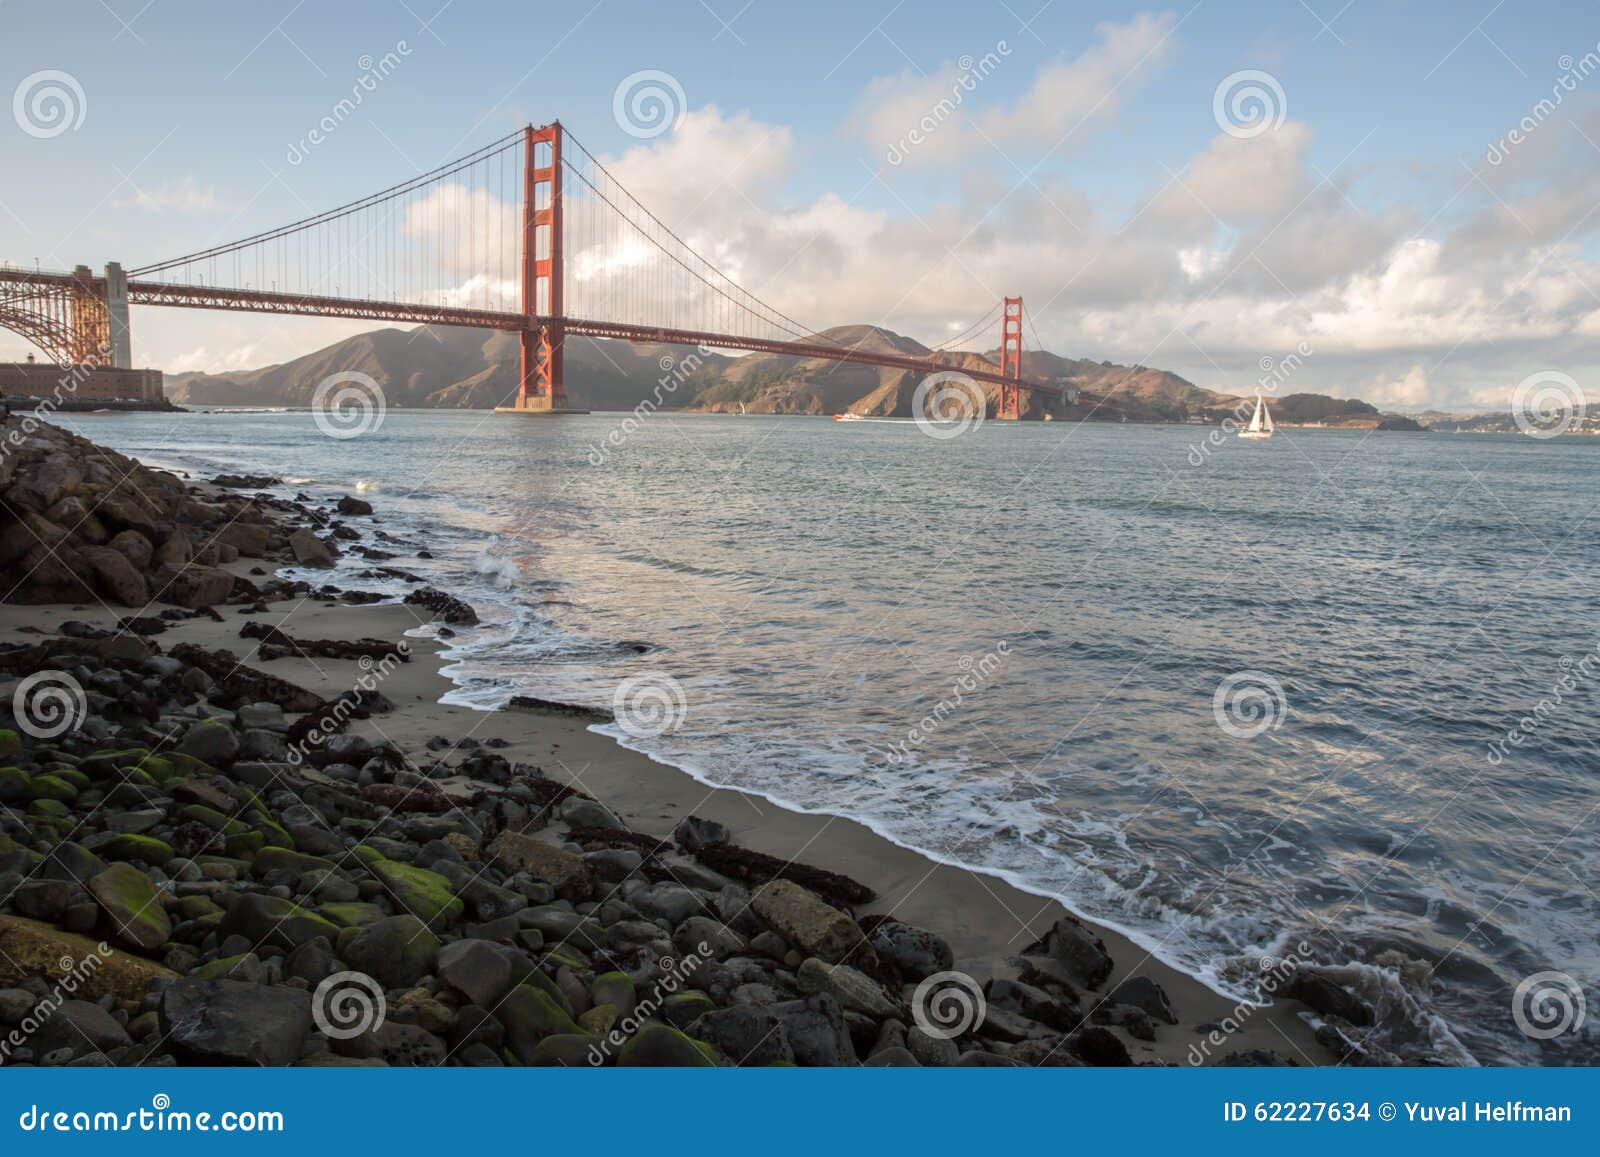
[(16, 785), (127, 846), (158, 768), (132, 907), (616, 989), (426, 895), (73, 776), (351, 915), (273, 859), (187, 765), (201, 814), (566, 954), (529, 1015), (228, 968), (245, 845), (570, 1051), (661, 1046), (113, 764), (48, 807), (10, 743), (272, 835), (682, 1009), (53, 787), (202, 908)]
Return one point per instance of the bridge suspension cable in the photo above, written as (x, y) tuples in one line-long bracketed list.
[(449, 237)]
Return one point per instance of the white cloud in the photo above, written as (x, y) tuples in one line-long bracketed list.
[(924, 119), (185, 195)]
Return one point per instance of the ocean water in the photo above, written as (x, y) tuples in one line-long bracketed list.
[(1225, 696)]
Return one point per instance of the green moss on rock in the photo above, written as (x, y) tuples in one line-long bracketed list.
[(426, 895)]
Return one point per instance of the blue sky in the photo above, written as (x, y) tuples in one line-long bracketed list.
[(1368, 224)]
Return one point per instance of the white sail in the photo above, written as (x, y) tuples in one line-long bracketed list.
[(1260, 422)]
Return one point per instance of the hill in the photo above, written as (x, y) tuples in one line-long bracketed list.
[(447, 367)]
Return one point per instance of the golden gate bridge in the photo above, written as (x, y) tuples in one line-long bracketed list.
[(530, 233)]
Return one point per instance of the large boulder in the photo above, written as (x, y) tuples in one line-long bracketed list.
[(529, 1015), (248, 538), (211, 741), (132, 907), (915, 952), (264, 919), (79, 1025), (196, 586), (115, 577), (309, 550), (396, 952), (800, 917), (232, 1022), (561, 869), (1080, 953)]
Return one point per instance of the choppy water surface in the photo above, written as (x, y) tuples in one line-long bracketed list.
[(1004, 649)]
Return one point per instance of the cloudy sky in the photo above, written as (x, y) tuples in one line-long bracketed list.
[(1403, 192)]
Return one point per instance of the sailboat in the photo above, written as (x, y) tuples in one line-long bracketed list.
[(1260, 422)]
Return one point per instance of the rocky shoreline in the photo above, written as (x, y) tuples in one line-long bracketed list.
[(205, 862)]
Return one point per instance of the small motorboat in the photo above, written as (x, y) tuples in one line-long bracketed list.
[(847, 417)]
